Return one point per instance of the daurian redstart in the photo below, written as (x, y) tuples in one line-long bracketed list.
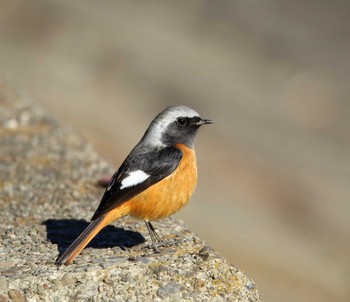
[(156, 179)]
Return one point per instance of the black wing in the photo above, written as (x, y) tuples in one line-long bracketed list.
[(158, 164)]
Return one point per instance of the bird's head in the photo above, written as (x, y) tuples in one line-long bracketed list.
[(174, 125)]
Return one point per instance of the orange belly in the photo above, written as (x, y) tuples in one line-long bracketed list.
[(170, 194)]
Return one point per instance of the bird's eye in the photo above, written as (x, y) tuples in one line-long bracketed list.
[(182, 122)]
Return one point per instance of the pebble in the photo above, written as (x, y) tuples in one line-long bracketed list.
[(11, 124), (16, 296), (250, 286), (68, 279), (4, 298), (160, 269), (204, 253), (169, 289), (3, 284), (108, 281)]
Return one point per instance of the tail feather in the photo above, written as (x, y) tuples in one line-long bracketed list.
[(82, 241)]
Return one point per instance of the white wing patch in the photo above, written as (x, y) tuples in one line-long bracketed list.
[(134, 178)]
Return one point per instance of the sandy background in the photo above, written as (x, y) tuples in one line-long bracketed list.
[(273, 193)]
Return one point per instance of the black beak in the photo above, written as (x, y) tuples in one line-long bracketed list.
[(204, 122)]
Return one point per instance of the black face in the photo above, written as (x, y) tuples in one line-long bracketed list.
[(182, 131), (183, 122)]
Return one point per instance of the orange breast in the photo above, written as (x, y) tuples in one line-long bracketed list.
[(170, 194)]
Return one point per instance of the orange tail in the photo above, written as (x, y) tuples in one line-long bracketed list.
[(87, 235)]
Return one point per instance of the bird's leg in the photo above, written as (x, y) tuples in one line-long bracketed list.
[(156, 240), (154, 236)]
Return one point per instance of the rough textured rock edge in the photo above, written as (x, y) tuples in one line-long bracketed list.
[(47, 191)]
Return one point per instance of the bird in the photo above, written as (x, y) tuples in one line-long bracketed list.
[(155, 180)]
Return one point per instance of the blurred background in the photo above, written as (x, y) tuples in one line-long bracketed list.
[(273, 193)]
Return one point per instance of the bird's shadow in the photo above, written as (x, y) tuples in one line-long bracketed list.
[(64, 231)]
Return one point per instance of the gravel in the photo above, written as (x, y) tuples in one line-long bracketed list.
[(48, 193)]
